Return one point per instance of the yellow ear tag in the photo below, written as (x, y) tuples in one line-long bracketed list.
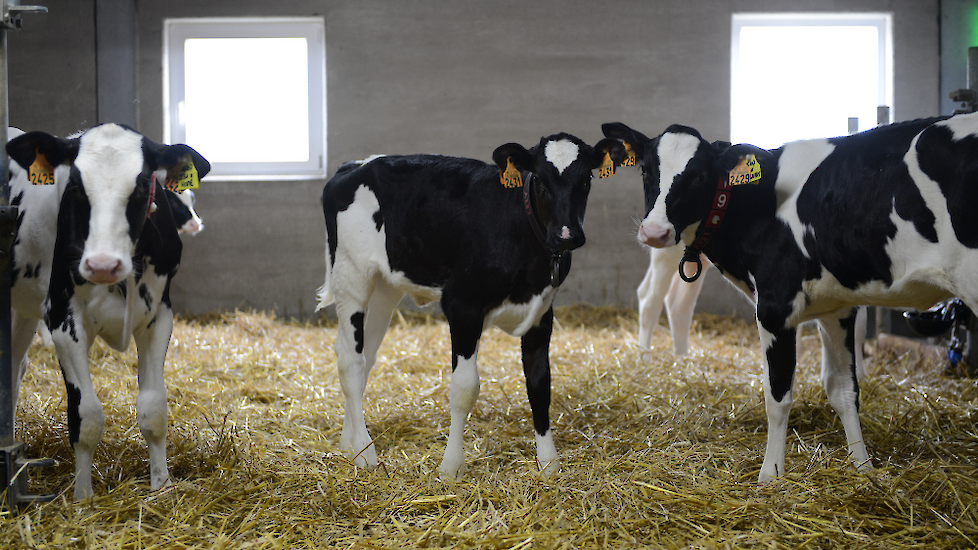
[(510, 178), (182, 176), (748, 170), (607, 168), (40, 172), (629, 156)]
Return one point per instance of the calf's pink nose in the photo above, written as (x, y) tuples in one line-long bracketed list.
[(104, 269), (655, 236)]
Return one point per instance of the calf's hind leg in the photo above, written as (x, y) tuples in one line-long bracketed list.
[(840, 382), (361, 331)]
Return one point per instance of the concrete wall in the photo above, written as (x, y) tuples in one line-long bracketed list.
[(52, 69), (457, 78)]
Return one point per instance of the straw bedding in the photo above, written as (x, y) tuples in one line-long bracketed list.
[(657, 451)]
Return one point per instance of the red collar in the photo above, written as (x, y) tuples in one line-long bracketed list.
[(712, 223)]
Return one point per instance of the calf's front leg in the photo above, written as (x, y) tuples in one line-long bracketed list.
[(466, 331), (536, 367), (151, 346), (778, 348), (86, 419)]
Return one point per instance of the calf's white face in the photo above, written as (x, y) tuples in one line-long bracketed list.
[(105, 200), (110, 158), (674, 151)]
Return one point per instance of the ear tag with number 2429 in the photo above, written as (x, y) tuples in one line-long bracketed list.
[(748, 170)]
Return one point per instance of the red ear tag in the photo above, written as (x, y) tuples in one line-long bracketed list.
[(40, 172), (510, 178)]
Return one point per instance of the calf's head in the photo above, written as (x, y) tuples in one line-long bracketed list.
[(184, 215), (680, 171), (106, 199), (562, 166)]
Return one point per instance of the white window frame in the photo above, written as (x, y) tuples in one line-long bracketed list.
[(175, 34), (883, 21)]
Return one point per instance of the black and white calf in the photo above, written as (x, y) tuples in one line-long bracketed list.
[(448, 229), (879, 218), (94, 256)]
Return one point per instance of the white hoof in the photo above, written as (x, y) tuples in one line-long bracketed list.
[(549, 469)]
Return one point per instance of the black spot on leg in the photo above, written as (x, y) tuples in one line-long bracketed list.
[(147, 297), (379, 219), (74, 419), (357, 321), (67, 325)]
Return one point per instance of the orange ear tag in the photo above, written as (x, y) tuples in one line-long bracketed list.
[(510, 178), (607, 168), (629, 155), (748, 170), (40, 172), (182, 176)]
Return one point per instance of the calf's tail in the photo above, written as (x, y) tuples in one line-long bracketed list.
[(325, 292)]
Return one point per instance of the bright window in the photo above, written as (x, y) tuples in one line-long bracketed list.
[(248, 94), (801, 76)]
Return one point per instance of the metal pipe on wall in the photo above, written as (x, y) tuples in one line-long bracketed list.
[(13, 464)]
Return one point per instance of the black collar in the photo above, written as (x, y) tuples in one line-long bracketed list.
[(531, 217)]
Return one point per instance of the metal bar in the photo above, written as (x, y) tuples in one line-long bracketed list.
[(7, 398), (973, 68), (15, 467)]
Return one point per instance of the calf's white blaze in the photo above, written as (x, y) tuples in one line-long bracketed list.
[(109, 160), (561, 154), (675, 151)]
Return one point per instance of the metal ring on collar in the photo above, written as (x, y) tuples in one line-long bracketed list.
[(691, 255)]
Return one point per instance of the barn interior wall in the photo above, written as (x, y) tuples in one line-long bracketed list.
[(456, 78)]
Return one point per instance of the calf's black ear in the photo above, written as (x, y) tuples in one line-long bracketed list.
[(635, 139), (172, 155), (521, 158), (610, 146), (23, 149), (732, 155)]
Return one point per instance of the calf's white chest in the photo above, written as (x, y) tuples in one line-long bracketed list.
[(516, 319)]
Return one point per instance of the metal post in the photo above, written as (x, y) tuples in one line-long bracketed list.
[(13, 466)]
